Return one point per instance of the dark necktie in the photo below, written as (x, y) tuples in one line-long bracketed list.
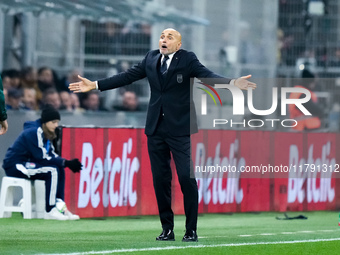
[(164, 66)]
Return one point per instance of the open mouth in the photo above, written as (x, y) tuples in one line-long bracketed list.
[(164, 47)]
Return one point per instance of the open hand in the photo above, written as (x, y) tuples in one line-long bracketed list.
[(244, 83), (84, 85)]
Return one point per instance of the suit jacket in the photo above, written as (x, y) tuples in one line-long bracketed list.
[(173, 95)]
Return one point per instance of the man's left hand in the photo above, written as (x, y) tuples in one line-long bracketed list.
[(244, 84)]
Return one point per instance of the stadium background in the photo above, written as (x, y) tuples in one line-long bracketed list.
[(269, 39)]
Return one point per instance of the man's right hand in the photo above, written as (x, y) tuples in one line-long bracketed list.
[(84, 85)]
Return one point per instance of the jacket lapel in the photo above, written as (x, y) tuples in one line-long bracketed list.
[(155, 63), (172, 68)]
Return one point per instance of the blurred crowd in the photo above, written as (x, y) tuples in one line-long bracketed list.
[(32, 89)]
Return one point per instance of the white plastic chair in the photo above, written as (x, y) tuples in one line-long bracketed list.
[(29, 198)]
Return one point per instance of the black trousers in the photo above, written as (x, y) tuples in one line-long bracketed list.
[(160, 145)]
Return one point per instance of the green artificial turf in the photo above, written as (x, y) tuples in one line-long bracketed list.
[(242, 233)]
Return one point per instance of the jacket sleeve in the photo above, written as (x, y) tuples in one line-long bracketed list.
[(3, 114), (133, 74), (39, 152), (200, 71)]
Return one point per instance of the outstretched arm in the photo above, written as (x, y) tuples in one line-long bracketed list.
[(133, 74), (84, 85), (200, 71)]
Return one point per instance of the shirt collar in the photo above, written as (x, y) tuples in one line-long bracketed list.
[(170, 57)]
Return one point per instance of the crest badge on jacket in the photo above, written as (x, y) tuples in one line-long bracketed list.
[(179, 78)]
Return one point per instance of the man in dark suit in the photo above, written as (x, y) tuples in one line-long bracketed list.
[(170, 111)]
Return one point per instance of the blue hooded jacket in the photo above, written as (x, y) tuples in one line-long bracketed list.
[(32, 146)]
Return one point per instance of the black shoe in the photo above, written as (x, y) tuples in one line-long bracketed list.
[(190, 236), (166, 235)]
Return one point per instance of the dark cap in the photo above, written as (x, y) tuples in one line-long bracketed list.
[(49, 113)]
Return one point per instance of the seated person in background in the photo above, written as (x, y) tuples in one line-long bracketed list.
[(11, 79), (91, 102), (71, 77), (6, 80), (33, 157), (129, 102), (51, 96), (29, 79), (76, 103), (66, 102), (46, 79), (30, 99), (14, 99)]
